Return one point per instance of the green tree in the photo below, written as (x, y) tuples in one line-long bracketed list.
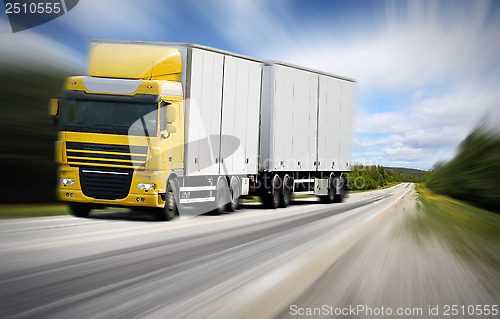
[(473, 175)]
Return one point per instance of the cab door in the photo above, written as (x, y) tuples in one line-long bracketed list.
[(171, 134)]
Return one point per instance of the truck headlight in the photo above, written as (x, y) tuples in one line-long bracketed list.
[(146, 186), (67, 181)]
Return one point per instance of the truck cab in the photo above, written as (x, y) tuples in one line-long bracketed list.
[(120, 128)]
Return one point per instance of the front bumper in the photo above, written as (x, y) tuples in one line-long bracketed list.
[(134, 198), (149, 199)]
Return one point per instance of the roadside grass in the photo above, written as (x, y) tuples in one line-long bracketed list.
[(41, 210), (32, 210), (250, 199), (473, 233)]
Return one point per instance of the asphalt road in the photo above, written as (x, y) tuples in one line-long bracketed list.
[(251, 263)]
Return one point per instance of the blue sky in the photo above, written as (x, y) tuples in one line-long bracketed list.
[(427, 71)]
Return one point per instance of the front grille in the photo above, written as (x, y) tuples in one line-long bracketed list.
[(103, 183), (106, 155)]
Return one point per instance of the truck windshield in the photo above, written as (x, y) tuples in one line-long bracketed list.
[(112, 117)]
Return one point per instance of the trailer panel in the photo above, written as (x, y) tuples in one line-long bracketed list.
[(303, 126)]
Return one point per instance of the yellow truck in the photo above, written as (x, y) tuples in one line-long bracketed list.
[(183, 129)]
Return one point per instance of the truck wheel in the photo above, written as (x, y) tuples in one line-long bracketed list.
[(330, 198), (286, 192), (79, 210), (338, 182), (234, 195), (170, 210), (272, 199), (221, 197)]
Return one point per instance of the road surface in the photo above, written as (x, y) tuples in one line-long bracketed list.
[(254, 263)]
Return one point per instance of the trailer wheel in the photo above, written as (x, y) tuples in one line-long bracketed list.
[(234, 195), (330, 198), (170, 210), (286, 192), (338, 183), (272, 198), (79, 210)]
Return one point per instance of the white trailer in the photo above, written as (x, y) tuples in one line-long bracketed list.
[(221, 107), (263, 128), (305, 133)]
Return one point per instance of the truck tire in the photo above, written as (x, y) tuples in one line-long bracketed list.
[(338, 182), (79, 210), (330, 198), (234, 195), (221, 196), (272, 197), (286, 191), (170, 209)]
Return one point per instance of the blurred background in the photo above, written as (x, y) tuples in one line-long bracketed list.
[(427, 72)]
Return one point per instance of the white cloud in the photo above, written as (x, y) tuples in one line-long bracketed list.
[(30, 49), (130, 20), (256, 27), (462, 106), (407, 49), (382, 123), (110, 19)]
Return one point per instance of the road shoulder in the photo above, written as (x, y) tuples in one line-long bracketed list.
[(390, 268)]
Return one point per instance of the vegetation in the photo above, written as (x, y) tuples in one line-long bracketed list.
[(411, 172), (473, 175), (27, 145), (366, 177), (473, 233), (44, 210), (23, 211)]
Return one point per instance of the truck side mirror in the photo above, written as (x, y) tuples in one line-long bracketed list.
[(171, 113), (53, 107), (171, 128)]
